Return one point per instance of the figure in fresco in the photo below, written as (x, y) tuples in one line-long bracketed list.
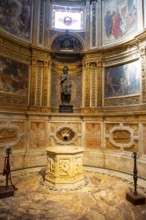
[(123, 84), (109, 84), (18, 81), (108, 24), (116, 24), (15, 17), (65, 86)]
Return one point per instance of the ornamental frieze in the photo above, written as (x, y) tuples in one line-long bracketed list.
[(122, 101)]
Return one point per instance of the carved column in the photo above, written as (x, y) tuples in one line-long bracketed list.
[(33, 82), (99, 83), (93, 85), (87, 86), (39, 83), (46, 86), (143, 71)]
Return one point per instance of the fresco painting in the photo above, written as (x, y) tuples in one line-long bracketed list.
[(15, 17), (13, 77), (122, 80), (119, 21)]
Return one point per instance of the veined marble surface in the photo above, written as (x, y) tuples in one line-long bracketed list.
[(103, 197)]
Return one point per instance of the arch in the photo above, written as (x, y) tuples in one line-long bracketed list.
[(55, 36)]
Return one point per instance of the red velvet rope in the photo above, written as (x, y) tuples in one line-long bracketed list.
[(4, 171)]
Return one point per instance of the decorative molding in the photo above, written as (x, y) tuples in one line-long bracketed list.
[(9, 135), (128, 136), (122, 101)]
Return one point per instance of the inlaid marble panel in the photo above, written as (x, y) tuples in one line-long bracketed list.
[(92, 135), (37, 138)]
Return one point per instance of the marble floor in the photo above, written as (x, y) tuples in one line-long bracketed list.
[(102, 197)]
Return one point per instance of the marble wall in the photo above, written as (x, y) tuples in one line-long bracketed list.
[(108, 142), (108, 126)]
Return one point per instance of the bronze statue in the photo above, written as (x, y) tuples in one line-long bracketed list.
[(65, 86)]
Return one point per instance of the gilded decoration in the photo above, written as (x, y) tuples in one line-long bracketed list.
[(67, 42), (122, 101)]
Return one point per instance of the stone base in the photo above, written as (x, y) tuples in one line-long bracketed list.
[(66, 108), (6, 192), (64, 185), (64, 167), (135, 199)]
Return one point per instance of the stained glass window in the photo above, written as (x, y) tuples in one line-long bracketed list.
[(67, 18)]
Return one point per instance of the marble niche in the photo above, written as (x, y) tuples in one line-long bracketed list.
[(64, 167)]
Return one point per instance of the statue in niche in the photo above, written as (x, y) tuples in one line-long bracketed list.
[(65, 86)]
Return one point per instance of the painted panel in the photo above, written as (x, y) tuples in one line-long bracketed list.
[(13, 77), (15, 17), (119, 20), (122, 80)]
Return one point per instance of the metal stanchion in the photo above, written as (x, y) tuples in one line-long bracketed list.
[(134, 197), (7, 190)]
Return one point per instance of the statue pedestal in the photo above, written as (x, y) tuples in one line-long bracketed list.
[(66, 108), (64, 167)]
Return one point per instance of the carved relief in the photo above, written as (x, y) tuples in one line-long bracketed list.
[(10, 135), (65, 134), (64, 167), (67, 42), (45, 84), (78, 168), (39, 83), (33, 82), (122, 136), (94, 85), (122, 101), (87, 86), (50, 165)]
